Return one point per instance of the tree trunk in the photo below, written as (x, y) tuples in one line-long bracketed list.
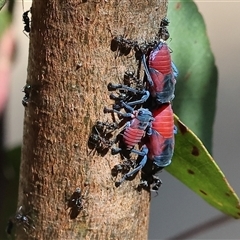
[(70, 64)]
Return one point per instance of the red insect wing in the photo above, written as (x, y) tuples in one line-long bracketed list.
[(160, 149), (155, 144), (158, 80)]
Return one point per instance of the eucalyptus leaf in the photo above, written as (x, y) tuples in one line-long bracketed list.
[(196, 88), (194, 166), (2, 3), (5, 20)]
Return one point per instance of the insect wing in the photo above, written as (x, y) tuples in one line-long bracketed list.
[(160, 149), (158, 80)]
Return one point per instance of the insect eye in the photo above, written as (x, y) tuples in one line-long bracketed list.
[(140, 112)]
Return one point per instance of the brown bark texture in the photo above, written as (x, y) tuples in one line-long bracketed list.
[(70, 64)]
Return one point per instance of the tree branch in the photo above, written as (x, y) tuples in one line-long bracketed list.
[(70, 64)]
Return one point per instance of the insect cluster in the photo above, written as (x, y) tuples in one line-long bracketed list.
[(149, 122), (144, 105)]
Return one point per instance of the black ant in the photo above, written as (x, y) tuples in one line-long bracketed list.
[(26, 21), (20, 220), (163, 31), (100, 137), (123, 167), (122, 45), (149, 181), (75, 203), (152, 184), (26, 90)]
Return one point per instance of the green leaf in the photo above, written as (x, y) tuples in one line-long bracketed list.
[(5, 20), (194, 166), (196, 87), (2, 3), (195, 104)]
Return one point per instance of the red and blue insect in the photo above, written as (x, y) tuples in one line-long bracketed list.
[(160, 73), (160, 147), (135, 129), (160, 77), (159, 144)]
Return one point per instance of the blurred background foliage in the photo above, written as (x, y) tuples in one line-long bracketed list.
[(10, 158)]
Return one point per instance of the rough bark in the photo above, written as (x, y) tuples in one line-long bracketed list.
[(70, 64)]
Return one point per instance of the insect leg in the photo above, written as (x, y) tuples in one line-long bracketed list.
[(149, 78), (141, 164), (175, 70), (144, 98), (125, 115)]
